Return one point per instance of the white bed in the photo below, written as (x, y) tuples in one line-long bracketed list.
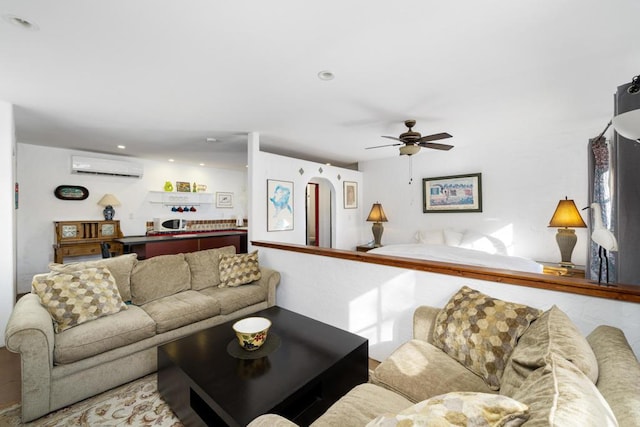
[(470, 248)]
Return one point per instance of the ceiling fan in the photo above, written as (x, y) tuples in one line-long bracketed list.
[(412, 141)]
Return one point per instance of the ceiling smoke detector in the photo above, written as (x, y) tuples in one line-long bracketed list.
[(23, 23), (326, 75)]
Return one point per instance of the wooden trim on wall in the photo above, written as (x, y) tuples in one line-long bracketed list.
[(572, 285)]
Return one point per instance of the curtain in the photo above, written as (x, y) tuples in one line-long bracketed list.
[(602, 192)]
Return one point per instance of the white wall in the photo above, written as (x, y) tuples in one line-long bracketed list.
[(41, 169), (264, 166), (521, 185), (7, 216), (377, 302)]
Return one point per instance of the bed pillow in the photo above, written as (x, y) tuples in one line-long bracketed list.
[(452, 238), (241, 269), (78, 296), (430, 237), (483, 242), (459, 409), (481, 332)]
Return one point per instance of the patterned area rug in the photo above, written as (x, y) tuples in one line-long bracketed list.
[(137, 403)]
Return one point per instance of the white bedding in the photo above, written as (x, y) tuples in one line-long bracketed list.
[(459, 255)]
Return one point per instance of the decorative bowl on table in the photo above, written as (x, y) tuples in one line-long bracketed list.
[(252, 332)]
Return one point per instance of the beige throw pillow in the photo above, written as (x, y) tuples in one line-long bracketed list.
[(158, 277), (120, 268), (464, 409), (480, 331), (552, 332), (78, 296), (559, 394), (236, 270)]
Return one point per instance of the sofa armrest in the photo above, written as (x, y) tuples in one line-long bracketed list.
[(30, 333), (619, 373), (424, 320), (271, 420), (269, 279)]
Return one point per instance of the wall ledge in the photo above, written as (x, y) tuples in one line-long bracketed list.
[(616, 291)]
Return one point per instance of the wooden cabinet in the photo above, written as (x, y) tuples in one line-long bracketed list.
[(84, 238)]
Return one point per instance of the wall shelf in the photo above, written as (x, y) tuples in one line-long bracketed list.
[(172, 198)]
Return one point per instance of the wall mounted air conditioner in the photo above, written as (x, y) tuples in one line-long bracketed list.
[(98, 166)]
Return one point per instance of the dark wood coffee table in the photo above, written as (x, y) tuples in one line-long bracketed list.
[(314, 365)]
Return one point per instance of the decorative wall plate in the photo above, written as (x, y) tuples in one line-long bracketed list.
[(71, 192)]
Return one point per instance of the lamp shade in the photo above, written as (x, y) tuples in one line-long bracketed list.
[(567, 215), (377, 214), (409, 149), (628, 124), (109, 200)]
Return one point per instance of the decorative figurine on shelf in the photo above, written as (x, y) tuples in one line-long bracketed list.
[(168, 186), (195, 187)]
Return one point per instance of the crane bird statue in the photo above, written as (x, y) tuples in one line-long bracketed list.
[(604, 238)]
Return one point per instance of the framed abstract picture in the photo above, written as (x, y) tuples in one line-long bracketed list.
[(279, 205), (456, 193), (224, 200), (350, 190)]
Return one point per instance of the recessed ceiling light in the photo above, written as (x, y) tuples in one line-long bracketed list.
[(23, 23), (201, 164), (122, 147), (326, 75), (209, 139), (171, 160)]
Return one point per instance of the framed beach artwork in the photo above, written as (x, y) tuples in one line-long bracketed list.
[(350, 190), (224, 200), (279, 205), (456, 193)]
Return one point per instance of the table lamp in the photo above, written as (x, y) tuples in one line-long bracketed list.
[(566, 215), (109, 201), (377, 216)]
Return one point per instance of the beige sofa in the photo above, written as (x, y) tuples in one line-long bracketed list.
[(170, 296), (553, 377)]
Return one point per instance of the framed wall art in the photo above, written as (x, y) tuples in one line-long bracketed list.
[(350, 193), (183, 187), (279, 205), (224, 200), (456, 193)]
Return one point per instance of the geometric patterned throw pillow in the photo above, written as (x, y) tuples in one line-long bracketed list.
[(76, 297), (236, 270), (481, 332)]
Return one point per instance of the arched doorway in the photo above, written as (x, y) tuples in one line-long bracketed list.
[(320, 213)]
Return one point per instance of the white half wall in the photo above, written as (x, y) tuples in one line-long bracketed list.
[(264, 166), (377, 302), (7, 216), (41, 169)]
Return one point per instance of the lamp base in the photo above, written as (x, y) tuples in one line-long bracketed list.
[(377, 230), (108, 212), (566, 238)]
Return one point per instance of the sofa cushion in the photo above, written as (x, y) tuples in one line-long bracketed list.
[(104, 334), (236, 270), (559, 394), (480, 331), (159, 277), (205, 266), (183, 308), (418, 370), (234, 299), (459, 409), (552, 332), (120, 268), (78, 296), (360, 405)]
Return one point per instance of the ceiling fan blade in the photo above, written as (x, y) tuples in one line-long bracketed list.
[(435, 137), (436, 146), (393, 137), (380, 146)]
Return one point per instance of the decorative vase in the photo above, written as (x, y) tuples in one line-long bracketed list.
[(168, 186)]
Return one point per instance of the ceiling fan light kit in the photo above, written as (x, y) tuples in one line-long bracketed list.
[(411, 142)]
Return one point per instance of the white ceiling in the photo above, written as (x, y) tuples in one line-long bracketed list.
[(161, 76)]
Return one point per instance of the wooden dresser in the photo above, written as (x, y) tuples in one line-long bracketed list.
[(83, 238)]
